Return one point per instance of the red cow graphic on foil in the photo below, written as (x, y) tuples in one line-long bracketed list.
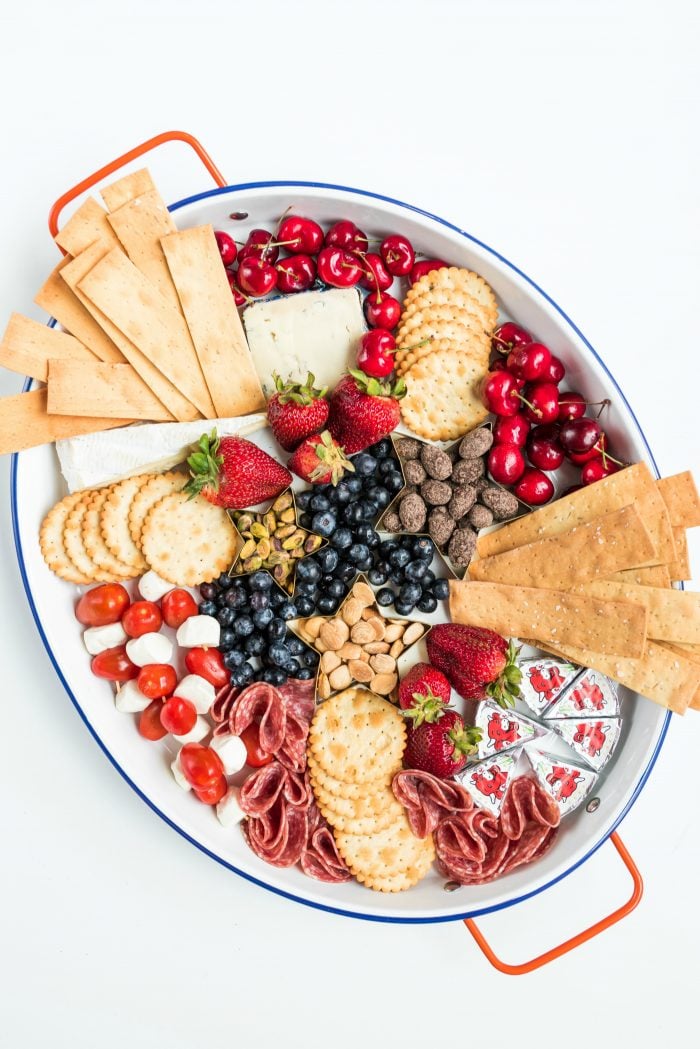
[(593, 736), (501, 730), (564, 782), (546, 682), (588, 694), (491, 784)]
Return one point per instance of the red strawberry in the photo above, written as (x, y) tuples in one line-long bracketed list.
[(423, 692), (320, 460), (235, 473), (363, 410), (441, 747), (477, 662), (296, 411)]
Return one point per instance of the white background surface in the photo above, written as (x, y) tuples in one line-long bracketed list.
[(564, 135)]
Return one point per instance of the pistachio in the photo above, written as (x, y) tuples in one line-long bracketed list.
[(248, 549), (282, 502), (284, 531), (252, 564), (259, 531), (270, 521), (264, 549), (288, 516)]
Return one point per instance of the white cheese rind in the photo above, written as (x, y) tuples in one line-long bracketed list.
[(314, 331)]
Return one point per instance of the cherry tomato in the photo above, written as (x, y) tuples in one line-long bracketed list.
[(102, 605), (256, 756), (114, 664), (143, 617), (201, 765), (157, 680), (177, 606), (150, 725), (209, 664), (178, 716), (214, 793)]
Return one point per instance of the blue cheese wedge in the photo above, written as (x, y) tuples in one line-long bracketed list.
[(314, 331)]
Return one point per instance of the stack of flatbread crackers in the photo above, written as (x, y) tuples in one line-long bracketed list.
[(116, 533), (151, 329), (444, 342), (355, 749), (589, 578)]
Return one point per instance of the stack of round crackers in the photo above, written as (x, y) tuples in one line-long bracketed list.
[(356, 745), (111, 534), (444, 342)]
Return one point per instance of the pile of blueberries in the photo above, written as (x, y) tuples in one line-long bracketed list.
[(345, 515), (255, 642)]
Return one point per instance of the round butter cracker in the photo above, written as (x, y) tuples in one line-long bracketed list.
[(443, 400), (188, 541), (51, 543)]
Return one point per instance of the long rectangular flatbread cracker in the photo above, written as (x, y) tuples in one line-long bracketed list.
[(135, 184), (138, 309), (632, 486), (674, 615), (589, 551), (660, 674), (27, 346), (680, 494), (680, 569), (139, 225), (85, 226), (613, 627), (212, 317), (657, 575), (108, 390), (168, 394), (691, 652), (60, 302), (25, 423)]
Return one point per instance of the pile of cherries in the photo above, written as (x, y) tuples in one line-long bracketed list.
[(538, 427)]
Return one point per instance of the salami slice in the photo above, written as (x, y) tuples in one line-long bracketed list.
[(526, 801), (221, 708), (320, 859), (262, 704), (264, 786), (428, 799), (278, 836), (298, 698)]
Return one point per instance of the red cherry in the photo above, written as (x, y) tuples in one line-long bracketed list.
[(238, 297), (499, 365), (571, 405), (258, 246), (506, 463), (398, 255), (424, 266), (255, 277), (579, 435), (499, 392), (556, 371), (530, 362), (509, 336), (597, 469), (338, 267), (345, 234), (382, 311), (295, 273), (376, 277), (541, 402), (543, 452), (300, 235), (579, 458), (375, 354), (534, 488), (511, 430), (227, 247)]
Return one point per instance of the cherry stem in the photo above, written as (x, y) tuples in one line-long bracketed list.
[(606, 455), (502, 342), (416, 345), (603, 405), (532, 408)]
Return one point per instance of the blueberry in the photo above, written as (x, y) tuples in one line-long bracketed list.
[(308, 570), (263, 618), (236, 597), (244, 626), (278, 654), (364, 464), (275, 676), (305, 674), (423, 548), (303, 499), (233, 658), (227, 640), (385, 597), (319, 502), (277, 597), (415, 570), (382, 448), (224, 581), (364, 533), (379, 496), (399, 558), (226, 616), (336, 588), (441, 589), (305, 519), (260, 581), (426, 603), (310, 658), (293, 666), (305, 605), (341, 494), (365, 565), (428, 579), (296, 646), (387, 545), (324, 523), (410, 593), (341, 538), (326, 605), (254, 645), (238, 678), (208, 608), (387, 467), (327, 559), (248, 671), (368, 509), (345, 571), (403, 608), (396, 576), (287, 611), (377, 576), (394, 482), (354, 485), (276, 629), (352, 513), (208, 591), (358, 552)]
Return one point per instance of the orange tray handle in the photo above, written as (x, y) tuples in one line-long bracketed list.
[(575, 941), (126, 158)]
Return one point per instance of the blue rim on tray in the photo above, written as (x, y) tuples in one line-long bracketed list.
[(401, 920)]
